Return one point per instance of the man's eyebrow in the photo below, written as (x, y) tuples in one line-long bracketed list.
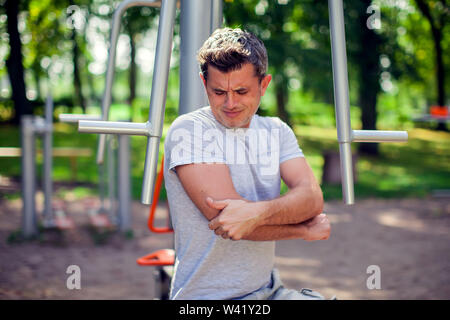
[(237, 89)]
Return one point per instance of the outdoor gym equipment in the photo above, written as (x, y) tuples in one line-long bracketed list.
[(341, 101), (53, 214), (123, 176), (118, 211)]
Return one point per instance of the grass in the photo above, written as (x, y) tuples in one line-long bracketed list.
[(412, 169)]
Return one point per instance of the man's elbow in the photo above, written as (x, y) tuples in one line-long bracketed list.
[(318, 201)]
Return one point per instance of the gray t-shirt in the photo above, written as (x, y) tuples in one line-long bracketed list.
[(208, 266)]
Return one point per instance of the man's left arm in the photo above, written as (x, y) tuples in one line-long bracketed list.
[(302, 202)]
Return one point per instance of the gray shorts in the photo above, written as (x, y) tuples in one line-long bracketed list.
[(276, 291)]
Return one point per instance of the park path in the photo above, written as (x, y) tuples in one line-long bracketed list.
[(407, 239)]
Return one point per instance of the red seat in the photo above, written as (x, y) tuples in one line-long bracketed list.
[(163, 257)]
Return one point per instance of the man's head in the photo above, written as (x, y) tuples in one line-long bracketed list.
[(233, 66)]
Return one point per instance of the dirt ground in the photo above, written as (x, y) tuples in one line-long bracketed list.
[(408, 239)]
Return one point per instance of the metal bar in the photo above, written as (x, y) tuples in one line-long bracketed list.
[(101, 186), (111, 164), (48, 162), (73, 118), (195, 28), (123, 183), (29, 219), (158, 95), (115, 28), (379, 136), (116, 127), (348, 192), (216, 15), (341, 100)]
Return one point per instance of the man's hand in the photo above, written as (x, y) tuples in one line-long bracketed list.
[(317, 228), (237, 218)]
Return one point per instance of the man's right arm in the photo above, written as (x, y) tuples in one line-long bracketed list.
[(201, 180)]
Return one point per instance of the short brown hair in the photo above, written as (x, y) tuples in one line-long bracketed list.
[(228, 49)]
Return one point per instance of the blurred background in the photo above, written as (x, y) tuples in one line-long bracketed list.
[(398, 63), (399, 79)]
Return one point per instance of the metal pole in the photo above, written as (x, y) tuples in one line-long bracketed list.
[(29, 219), (48, 162), (117, 127), (101, 186), (158, 96), (123, 182), (216, 15), (195, 28), (379, 136), (111, 179), (115, 28), (74, 118), (341, 100)]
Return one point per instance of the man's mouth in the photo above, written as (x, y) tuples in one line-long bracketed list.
[(232, 114)]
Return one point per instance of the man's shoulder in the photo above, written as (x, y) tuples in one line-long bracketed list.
[(201, 115), (269, 122)]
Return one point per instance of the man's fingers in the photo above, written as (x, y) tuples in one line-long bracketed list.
[(220, 232), (216, 204), (214, 224)]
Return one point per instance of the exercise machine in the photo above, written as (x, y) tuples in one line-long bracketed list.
[(53, 214)]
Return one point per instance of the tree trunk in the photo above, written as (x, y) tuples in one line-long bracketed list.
[(440, 73), (76, 72), (369, 73), (436, 31), (14, 63), (281, 93), (37, 80), (133, 69)]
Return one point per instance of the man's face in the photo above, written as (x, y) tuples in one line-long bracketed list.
[(235, 96)]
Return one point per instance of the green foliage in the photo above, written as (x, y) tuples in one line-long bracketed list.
[(412, 169)]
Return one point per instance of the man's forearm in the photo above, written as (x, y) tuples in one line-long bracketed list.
[(238, 218), (277, 232), (297, 205)]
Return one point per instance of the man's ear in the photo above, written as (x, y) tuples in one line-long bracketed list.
[(265, 83), (203, 79)]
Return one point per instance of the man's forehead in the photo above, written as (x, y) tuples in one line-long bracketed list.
[(240, 78)]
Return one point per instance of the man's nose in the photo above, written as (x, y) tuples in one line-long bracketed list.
[(230, 101)]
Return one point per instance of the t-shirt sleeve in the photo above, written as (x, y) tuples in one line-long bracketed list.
[(189, 141), (289, 147)]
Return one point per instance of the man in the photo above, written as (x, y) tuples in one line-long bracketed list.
[(222, 175)]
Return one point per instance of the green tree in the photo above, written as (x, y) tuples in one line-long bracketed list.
[(437, 13), (136, 21), (14, 62)]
